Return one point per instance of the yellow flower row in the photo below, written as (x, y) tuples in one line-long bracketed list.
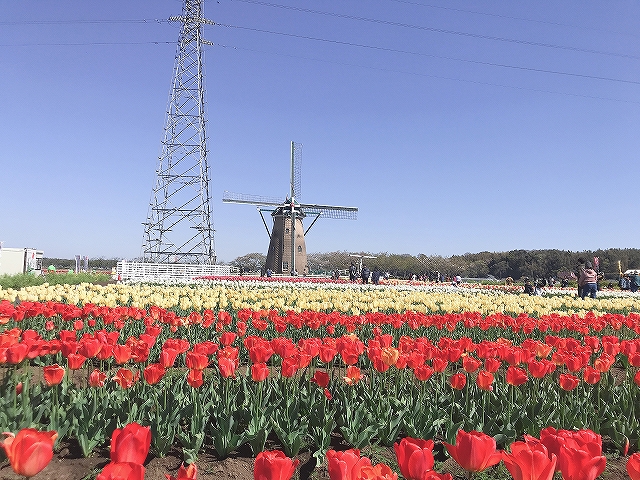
[(348, 299)]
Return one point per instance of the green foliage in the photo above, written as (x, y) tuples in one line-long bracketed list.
[(515, 263), (28, 280)]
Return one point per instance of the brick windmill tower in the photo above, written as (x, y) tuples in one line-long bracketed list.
[(287, 250)]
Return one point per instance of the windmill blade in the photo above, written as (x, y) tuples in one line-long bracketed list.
[(296, 170), (231, 197), (329, 211)]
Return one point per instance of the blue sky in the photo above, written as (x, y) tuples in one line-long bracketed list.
[(454, 126)]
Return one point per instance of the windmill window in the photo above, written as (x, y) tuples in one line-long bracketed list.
[(285, 266), (286, 230), (299, 248)]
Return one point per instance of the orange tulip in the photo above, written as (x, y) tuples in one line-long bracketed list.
[(378, 472), (389, 355), (29, 451), (353, 375)]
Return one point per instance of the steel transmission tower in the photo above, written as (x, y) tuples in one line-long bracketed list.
[(179, 226)]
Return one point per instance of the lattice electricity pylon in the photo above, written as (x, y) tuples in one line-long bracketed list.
[(178, 227)]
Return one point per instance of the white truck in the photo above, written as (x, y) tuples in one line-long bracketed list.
[(20, 260)]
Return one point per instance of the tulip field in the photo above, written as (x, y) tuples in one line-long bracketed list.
[(482, 375)]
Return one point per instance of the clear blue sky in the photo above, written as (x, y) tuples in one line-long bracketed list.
[(454, 126)]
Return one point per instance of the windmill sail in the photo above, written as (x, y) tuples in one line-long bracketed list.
[(287, 249)]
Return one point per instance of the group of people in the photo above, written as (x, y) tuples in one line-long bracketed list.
[(365, 274)]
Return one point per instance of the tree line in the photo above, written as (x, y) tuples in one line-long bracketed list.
[(516, 264)]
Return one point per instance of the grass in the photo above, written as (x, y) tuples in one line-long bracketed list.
[(27, 280)]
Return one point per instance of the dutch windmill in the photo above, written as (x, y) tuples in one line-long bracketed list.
[(287, 249)]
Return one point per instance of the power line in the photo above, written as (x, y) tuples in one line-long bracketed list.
[(73, 22), (509, 17), (82, 44), (408, 52), (442, 30), (440, 77)]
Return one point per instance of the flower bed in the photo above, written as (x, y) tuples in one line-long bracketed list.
[(203, 376)]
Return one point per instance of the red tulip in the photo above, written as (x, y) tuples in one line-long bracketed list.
[(259, 372), (196, 361), (591, 375), (75, 361), (227, 367), (188, 473), (636, 378), (458, 381), (433, 475), (122, 471), (227, 338), (485, 380), (289, 366), (17, 353), (470, 364), (121, 353), (423, 372), (97, 378), (168, 357), (346, 465), (568, 382), (53, 374), (439, 364), (130, 444), (125, 378), (194, 378), (153, 373), (29, 451), (633, 466), (320, 378), (577, 464), (529, 461), (415, 457), (516, 376), (273, 465), (474, 451), (492, 364)]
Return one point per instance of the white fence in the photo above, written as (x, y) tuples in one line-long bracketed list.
[(163, 271)]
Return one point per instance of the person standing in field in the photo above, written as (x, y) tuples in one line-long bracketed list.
[(365, 274), (588, 280)]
